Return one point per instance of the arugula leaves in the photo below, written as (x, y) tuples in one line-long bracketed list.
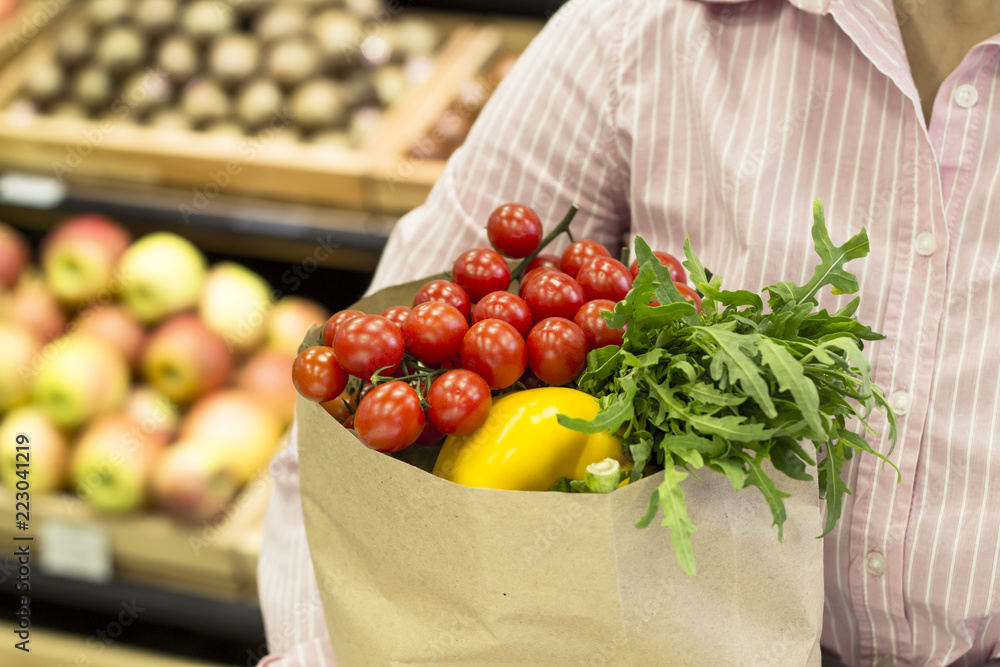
[(736, 385)]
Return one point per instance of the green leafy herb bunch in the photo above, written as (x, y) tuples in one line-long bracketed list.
[(737, 383)]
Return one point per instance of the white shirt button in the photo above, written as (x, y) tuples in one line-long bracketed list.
[(875, 563), (966, 95), (900, 402), (925, 243)]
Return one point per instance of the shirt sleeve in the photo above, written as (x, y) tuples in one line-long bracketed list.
[(294, 624), (547, 138)]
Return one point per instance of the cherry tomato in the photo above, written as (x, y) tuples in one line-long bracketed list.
[(367, 343), (677, 273), (530, 380), (531, 275), (429, 435), (340, 407), (579, 253), (557, 351), (480, 271), (553, 294), (688, 294), (504, 306), (396, 314), (514, 230), (543, 260), (447, 291), (317, 375), (334, 323), (597, 331), (434, 331), (495, 351), (459, 402), (605, 278), (390, 417)]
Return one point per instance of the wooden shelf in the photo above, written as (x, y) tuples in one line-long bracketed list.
[(50, 648), (217, 559), (335, 238)]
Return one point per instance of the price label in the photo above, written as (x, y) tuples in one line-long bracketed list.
[(31, 191), (75, 550)]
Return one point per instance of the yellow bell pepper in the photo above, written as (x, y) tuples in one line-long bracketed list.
[(523, 447)]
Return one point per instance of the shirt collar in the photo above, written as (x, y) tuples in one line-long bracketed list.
[(811, 6)]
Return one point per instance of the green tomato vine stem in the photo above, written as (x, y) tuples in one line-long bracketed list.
[(563, 226)]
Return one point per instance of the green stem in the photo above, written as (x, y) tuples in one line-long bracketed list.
[(603, 476), (563, 226), (421, 374)]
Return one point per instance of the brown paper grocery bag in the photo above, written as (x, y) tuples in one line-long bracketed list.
[(416, 570)]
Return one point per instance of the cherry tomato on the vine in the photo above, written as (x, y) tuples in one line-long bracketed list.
[(494, 350), (543, 260), (340, 408), (335, 322), (688, 294), (506, 306), (459, 402), (317, 375), (390, 417), (367, 343), (605, 278), (433, 333), (530, 380), (553, 294), (447, 291), (677, 272), (557, 350), (429, 435), (480, 271), (579, 253), (592, 323), (514, 230), (528, 276), (396, 314)]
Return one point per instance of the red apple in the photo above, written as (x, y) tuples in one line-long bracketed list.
[(48, 451), (290, 320), (113, 462), (14, 255), (235, 303), (32, 304), (238, 423), (193, 480), (268, 375), (152, 411), (20, 347), (116, 325), (80, 377), (184, 360), (80, 257)]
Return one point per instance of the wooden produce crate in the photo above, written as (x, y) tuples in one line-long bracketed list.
[(18, 29), (403, 176), (69, 148), (217, 558)]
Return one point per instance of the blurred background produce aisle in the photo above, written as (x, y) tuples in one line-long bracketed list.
[(185, 187)]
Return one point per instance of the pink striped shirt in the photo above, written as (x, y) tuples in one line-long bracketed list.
[(721, 121)]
